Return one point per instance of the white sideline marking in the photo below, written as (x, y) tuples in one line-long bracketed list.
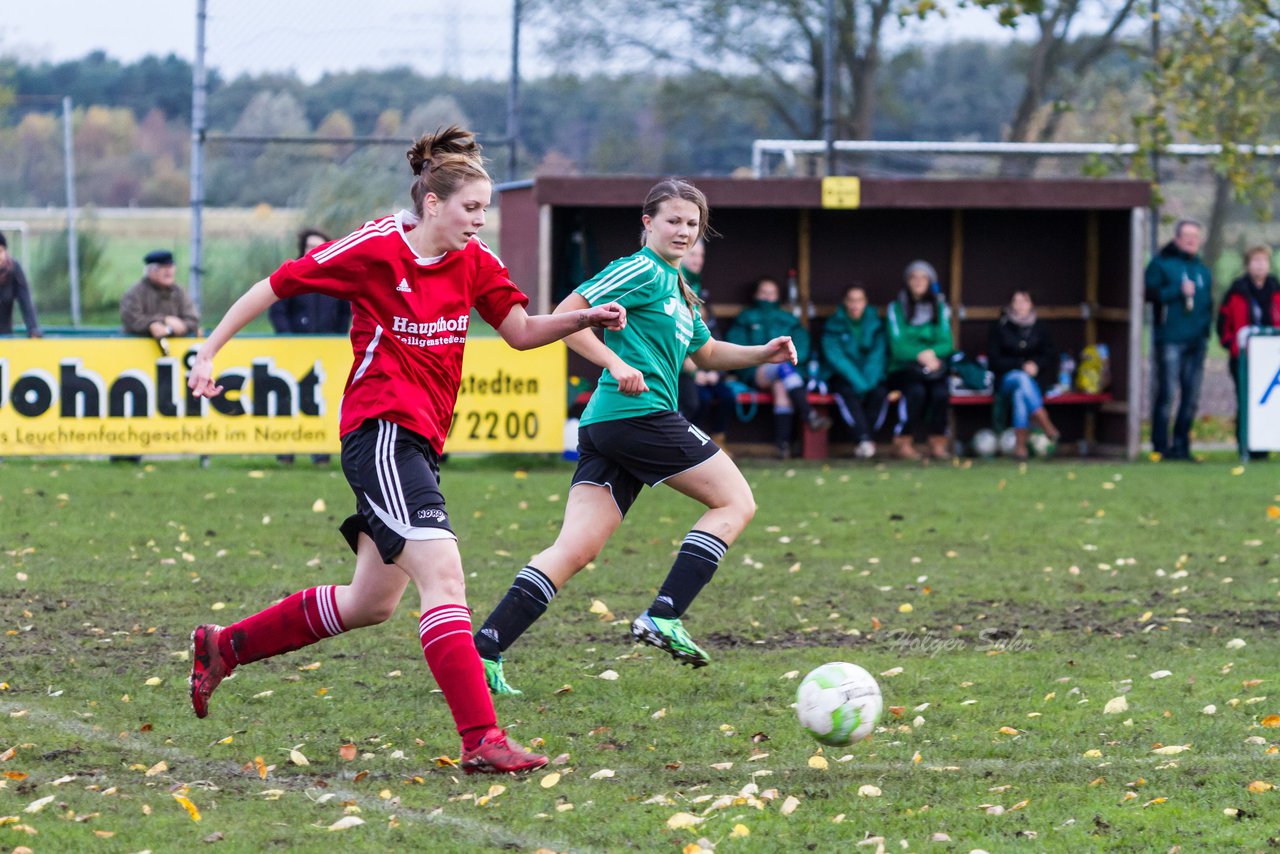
[(487, 833)]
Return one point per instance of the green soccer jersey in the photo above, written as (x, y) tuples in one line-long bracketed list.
[(661, 331)]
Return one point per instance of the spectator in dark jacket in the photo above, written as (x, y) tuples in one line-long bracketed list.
[(1179, 287), (14, 288), (1252, 300), (1022, 357), (310, 314), (853, 356)]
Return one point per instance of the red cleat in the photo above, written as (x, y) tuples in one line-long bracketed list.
[(207, 667), (497, 754)]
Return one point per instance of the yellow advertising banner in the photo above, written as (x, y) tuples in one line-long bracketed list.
[(75, 396)]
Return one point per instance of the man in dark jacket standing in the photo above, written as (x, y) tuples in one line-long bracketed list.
[(1179, 287), (14, 288)]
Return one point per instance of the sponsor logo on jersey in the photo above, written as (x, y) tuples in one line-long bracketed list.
[(404, 286), (434, 333)]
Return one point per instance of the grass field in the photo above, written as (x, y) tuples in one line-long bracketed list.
[(1007, 611)]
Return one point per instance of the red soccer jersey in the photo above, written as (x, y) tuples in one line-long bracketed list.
[(409, 319)]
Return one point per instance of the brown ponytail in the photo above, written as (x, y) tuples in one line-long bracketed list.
[(674, 188), (443, 162)]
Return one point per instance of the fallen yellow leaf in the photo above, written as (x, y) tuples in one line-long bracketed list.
[(1271, 721), (682, 820), (740, 830), (1260, 786), (818, 762), (550, 780), (296, 757), (188, 806)]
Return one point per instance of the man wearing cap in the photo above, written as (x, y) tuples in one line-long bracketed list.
[(14, 288), (156, 306)]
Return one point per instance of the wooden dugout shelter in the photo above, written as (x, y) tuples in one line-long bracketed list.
[(1077, 245)]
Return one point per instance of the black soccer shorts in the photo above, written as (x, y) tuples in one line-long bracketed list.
[(628, 453), (395, 475)]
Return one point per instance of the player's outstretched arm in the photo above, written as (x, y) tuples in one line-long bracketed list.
[(525, 332), (252, 303), (588, 346), (723, 356)]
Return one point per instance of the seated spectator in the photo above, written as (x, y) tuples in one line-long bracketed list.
[(157, 306), (763, 321), (853, 354), (688, 399), (1252, 300), (715, 397), (1022, 357), (310, 314), (919, 345), (14, 288)]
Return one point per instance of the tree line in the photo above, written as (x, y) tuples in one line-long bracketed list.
[(690, 103)]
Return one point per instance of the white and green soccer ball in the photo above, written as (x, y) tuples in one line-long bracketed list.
[(985, 443), (1041, 445), (839, 703)]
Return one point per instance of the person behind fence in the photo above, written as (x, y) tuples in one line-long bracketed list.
[(853, 355), (1179, 286), (310, 314), (919, 322), (14, 288), (156, 305), (1252, 300), (760, 323), (1021, 355)]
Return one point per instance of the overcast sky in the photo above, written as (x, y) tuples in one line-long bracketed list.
[(470, 39)]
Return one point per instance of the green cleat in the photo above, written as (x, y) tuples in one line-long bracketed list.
[(671, 636), (498, 683)]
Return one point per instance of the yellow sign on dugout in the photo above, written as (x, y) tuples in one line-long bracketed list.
[(282, 395)]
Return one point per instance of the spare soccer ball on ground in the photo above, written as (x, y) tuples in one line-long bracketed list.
[(1041, 445), (1008, 441), (839, 703), (985, 443)]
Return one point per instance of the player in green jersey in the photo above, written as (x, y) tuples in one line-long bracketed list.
[(632, 435)]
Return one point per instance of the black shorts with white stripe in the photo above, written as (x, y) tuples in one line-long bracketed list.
[(627, 453), (395, 475)]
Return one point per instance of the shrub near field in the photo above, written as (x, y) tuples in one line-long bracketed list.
[(1074, 657)]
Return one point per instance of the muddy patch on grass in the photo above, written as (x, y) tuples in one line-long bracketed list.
[(1002, 624)]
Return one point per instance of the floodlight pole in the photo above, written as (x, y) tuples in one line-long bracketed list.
[(199, 96), (1154, 224), (513, 94), (828, 87), (73, 245)]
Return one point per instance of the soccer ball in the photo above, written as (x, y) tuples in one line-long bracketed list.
[(1008, 442), (839, 703), (985, 443), (1041, 445)]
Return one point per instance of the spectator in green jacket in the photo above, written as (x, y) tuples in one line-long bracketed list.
[(1179, 287), (763, 321), (919, 346), (853, 358)]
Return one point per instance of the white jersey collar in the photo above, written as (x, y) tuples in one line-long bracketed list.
[(408, 220)]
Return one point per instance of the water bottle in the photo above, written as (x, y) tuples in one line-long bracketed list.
[(571, 439), (1066, 372), (793, 292)]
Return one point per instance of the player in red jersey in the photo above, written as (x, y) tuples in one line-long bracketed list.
[(412, 280)]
